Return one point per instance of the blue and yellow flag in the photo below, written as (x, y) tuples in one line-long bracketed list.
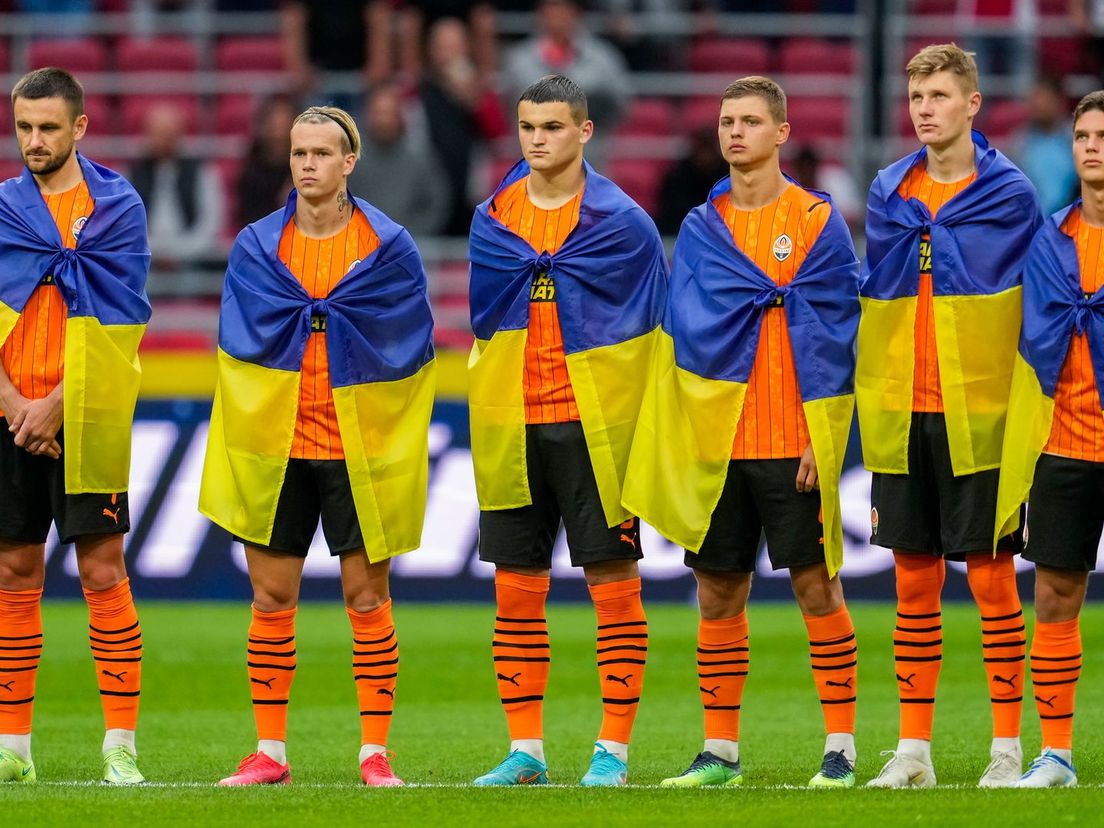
[(379, 338), (1054, 307), (611, 283), (979, 241), (706, 353), (103, 282)]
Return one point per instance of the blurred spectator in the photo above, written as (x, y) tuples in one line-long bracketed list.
[(265, 178), (183, 195), (1042, 148), (563, 46), (327, 37), (1006, 44), (649, 50), (399, 176), (810, 172), (462, 113), (687, 184), (1087, 16), (420, 16)]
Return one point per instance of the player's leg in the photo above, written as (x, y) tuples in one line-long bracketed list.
[(22, 568)]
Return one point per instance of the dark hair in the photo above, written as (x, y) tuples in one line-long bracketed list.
[(757, 86), (558, 89), (1094, 100), (51, 82)]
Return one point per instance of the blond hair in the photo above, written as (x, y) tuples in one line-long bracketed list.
[(350, 142), (945, 57), (759, 87)]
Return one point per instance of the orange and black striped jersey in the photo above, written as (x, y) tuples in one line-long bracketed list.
[(777, 237), (1078, 427), (34, 354), (319, 264), (926, 392), (549, 397)]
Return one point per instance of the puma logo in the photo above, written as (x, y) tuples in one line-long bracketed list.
[(709, 692), (512, 679), (383, 691), (1048, 702), (1011, 682), (619, 679), (266, 682), (8, 685), (117, 676), (905, 680), (113, 515), (847, 683), (629, 539)]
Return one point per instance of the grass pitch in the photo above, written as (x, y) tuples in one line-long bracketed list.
[(196, 724)]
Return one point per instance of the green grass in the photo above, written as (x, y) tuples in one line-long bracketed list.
[(196, 723)]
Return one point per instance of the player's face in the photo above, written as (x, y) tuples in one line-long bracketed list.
[(319, 163), (941, 110), (47, 133), (748, 133), (1088, 147), (550, 139)]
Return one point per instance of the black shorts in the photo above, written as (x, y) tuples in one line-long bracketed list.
[(929, 510), (32, 495), (562, 486), (1065, 513), (761, 497), (315, 489)]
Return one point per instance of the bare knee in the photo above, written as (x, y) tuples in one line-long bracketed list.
[(608, 572), (816, 593), (364, 585), (100, 562), (275, 579), (1059, 594), (22, 567), (722, 594)]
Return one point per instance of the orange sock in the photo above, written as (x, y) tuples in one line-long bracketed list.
[(1055, 669), (116, 639), (375, 670), (834, 655), (722, 670), (1003, 640), (271, 663), (918, 640), (20, 649), (521, 652), (622, 653)]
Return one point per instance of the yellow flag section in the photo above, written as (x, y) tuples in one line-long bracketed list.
[(976, 338), (683, 447), (608, 391), (1030, 416), (383, 430)]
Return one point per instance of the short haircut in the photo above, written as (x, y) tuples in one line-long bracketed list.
[(1092, 101), (51, 82), (759, 87), (350, 141), (945, 57), (558, 89)]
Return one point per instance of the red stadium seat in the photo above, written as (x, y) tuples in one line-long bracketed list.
[(905, 129), (999, 119), (135, 108), (229, 169), (745, 57), (700, 112), (249, 54), (936, 7), (158, 54), (648, 116), (85, 54), (813, 118), (816, 56), (101, 116), (639, 177), (1061, 55), (234, 114)]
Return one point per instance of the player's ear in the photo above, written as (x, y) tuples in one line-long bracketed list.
[(350, 164), (80, 125), (783, 133), (586, 131)]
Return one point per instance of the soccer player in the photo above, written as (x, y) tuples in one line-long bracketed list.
[(752, 418), (568, 279), (73, 264), (326, 378), (947, 231), (1054, 442)]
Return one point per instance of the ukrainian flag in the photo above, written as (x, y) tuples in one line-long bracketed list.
[(103, 282), (979, 240), (1054, 307), (379, 338), (611, 283), (706, 353)]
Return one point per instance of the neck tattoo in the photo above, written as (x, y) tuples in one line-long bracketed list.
[(342, 201)]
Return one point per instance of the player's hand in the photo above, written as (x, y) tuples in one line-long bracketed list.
[(807, 479), (37, 425)]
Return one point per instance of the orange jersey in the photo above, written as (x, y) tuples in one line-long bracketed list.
[(1078, 427), (777, 238), (549, 397), (319, 264), (926, 392), (34, 354)]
